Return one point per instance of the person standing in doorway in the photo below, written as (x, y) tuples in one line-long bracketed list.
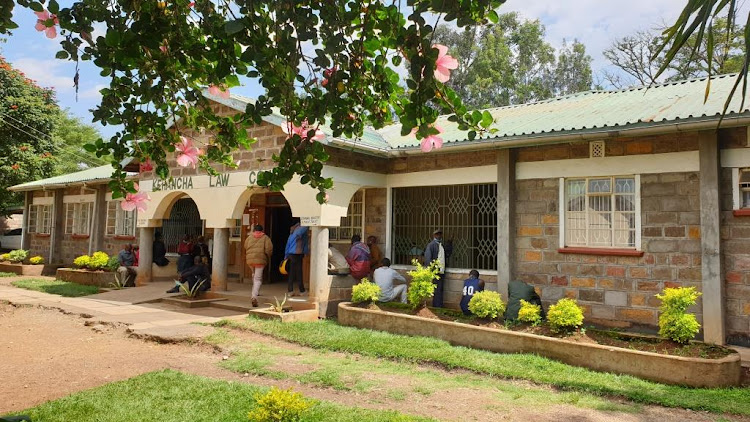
[(435, 251), (258, 251), (358, 259), (296, 249)]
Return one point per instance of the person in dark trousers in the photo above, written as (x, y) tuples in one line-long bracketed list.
[(201, 249), (194, 275), (435, 251), (160, 251), (518, 290), (471, 285), (127, 268), (296, 249)]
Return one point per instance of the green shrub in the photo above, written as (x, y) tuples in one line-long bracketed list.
[(530, 313), (5, 257), (82, 261), (674, 322), (565, 315), (487, 304), (99, 261), (18, 255), (113, 264), (422, 287), (279, 406), (365, 291), (36, 260)]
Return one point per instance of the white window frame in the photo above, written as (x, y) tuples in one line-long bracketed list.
[(236, 231), (737, 203), (37, 214), (563, 209), (350, 216), (124, 221), (78, 216)]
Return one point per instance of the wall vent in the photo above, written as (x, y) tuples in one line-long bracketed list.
[(596, 149)]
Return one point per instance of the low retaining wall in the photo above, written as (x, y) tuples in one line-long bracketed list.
[(89, 278), (21, 269), (694, 372), (301, 312)]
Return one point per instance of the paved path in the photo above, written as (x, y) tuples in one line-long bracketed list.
[(134, 307)]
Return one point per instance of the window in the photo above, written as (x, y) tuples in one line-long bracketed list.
[(744, 188), (119, 221), (601, 212), (237, 229), (40, 219), (78, 217), (352, 223), (467, 214)]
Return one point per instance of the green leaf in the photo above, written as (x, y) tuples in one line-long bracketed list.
[(36, 6), (492, 16), (486, 119), (112, 39), (90, 147), (235, 26), (62, 55)]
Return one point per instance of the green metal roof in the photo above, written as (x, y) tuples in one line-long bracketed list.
[(597, 111), (95, 174)]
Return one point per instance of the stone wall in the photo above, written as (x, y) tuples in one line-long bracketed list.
[(440, 161), (735, 247), (613, 288), (375, 216)]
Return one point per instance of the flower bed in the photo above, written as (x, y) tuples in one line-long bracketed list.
[(86, 277), (294, 312), (691, 371), (21, 269)]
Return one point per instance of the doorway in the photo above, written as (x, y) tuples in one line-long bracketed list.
[(278, 221)]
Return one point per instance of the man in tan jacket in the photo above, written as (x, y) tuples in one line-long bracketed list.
[(258, 250)]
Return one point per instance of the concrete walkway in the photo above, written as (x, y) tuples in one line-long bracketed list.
[(133, 307)]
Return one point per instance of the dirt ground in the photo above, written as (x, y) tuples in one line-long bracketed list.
[(48, 355)]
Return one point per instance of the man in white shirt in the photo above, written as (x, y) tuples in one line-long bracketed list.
[(384, 277)]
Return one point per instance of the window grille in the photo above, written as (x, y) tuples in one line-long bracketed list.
[(40, 219), (596, 149), (183, 219), (352, 223), (600, 212), (467, 214), (78, 217), (119, 221), (745, 188)]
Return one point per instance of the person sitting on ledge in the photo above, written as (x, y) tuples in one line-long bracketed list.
[(471, 285), (160, 251), (518, 290), (337, 264), (194, 275), (384, 277), (127, 269)]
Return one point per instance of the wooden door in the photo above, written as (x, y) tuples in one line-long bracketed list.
[(251, 216)]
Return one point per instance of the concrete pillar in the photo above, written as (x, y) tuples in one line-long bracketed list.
[(145, 255), (99, 220), (220, 260), (506, 187), (710, 210), (320, 281), (58, 228), (25, 235)]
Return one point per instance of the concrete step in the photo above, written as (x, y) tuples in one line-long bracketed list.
[(233, 305)]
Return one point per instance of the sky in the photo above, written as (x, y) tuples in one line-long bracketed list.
[(596, 23)]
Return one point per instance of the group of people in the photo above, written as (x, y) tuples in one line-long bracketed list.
[(193, 262)]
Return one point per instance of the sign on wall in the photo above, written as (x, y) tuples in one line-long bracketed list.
[(205, 181)]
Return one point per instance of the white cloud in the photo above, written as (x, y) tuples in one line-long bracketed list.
[(50, 73)]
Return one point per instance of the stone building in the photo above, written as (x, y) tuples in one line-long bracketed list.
[(604, 197)]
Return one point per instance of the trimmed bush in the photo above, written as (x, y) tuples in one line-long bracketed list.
[(99, 261), (82, 261), (565, 316), (487, 304), (113, 264), (422, 287), (530, 313), (279, 406), (674, 321), (36, 260), (365, 291), (5, 257), (17, 256)]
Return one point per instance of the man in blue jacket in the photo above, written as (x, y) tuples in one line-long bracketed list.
[(296, 248), (436, 251)]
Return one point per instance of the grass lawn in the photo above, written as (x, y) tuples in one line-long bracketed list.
[(166, 396), (56, 287), (4, 274), (328, 335)]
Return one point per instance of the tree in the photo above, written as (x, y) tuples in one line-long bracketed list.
[(27, 117), (512, 63), (71, 135), (642, 57), (333, 62)]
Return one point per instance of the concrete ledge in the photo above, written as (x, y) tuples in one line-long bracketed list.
[(183, 301), (86, 277), (301, 312), (21, 269), (693, 372)]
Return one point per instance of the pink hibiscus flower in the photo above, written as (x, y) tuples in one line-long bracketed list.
[(147, 166), (135, 201), (187, 153), (218, 91), (41, 18), (444, 64), (302, 131), (431, 142)]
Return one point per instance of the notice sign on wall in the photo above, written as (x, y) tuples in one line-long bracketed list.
[(309, 221)]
